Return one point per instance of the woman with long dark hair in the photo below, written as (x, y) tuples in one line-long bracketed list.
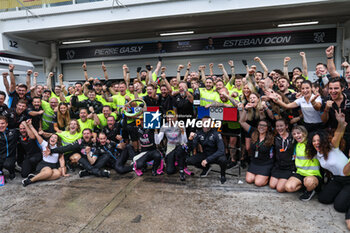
[(261, 146), (52, 167), (284, 165), (331, 158)]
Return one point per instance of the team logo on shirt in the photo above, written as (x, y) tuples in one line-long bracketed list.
[(151, 120)]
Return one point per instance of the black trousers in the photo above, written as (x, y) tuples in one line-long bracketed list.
[(29, 164), (337, 191), (197, 159), (147, 157), (94, 169), (8, 163), (179, 155), (118, 163)]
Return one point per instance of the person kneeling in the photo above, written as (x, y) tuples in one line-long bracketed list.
[(213, 150)]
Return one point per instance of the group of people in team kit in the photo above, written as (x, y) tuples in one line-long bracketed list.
[(292, 133)]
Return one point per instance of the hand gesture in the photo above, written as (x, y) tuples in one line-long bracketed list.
[(119, 137), (314, 98), (330, 51), (257, 59), (91, 109), (11, 67), (180, 67), (5, 74), (163, 69), (248, 106), (340, 116), (230, 63), (87, 150), (103, 67), (220, 66), (204, 163), (50, 75), (302, 54), (189, 65), (211, 65), (60, 76), (29, 72), (84, 66), (36, 74), (47, 152), (138, 69), (192, 135), (29, 122), (329, 104), (207, 106), (286, 60)]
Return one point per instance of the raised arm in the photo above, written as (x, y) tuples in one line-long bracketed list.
[(29, 131), (104, 69), (49, 81), (12, 78), (263, 66), (304, 62), (28, 77), (36, 134), (233, 75), (63, 87), (6, 82), (339, 132), (35, 76), (330, 62), (84, 66), (126, 75), (178, 74), (202, 72), (187, 70), (225, 75), (211, 67), (285, 66)]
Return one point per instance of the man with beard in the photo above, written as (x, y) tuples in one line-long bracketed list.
[(207, 94), (35, 112), (338, 100), (17, 115), (19, 93)]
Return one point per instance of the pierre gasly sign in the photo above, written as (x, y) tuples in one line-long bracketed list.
[(282, 38)]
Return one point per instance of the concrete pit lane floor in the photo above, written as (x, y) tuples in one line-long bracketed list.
[(127, 203)]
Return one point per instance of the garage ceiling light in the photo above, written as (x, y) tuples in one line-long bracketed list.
[(76, 42), (176, 33), (297, 24)]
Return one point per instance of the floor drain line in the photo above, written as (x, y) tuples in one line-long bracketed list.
[(112, 205)]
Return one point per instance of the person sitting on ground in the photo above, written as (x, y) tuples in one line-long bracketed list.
[(52, 166), (308, 173)]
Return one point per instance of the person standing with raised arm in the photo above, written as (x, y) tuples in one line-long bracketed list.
[(15, 94)]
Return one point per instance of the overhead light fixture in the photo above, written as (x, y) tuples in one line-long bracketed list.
[(297, 24), (76, 42), (176, 33)]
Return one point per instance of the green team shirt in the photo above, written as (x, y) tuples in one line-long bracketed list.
[(81, 97), (207, 96), (68, 138), (48, 116), (88, 124), (56, 96), (103, 119)]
